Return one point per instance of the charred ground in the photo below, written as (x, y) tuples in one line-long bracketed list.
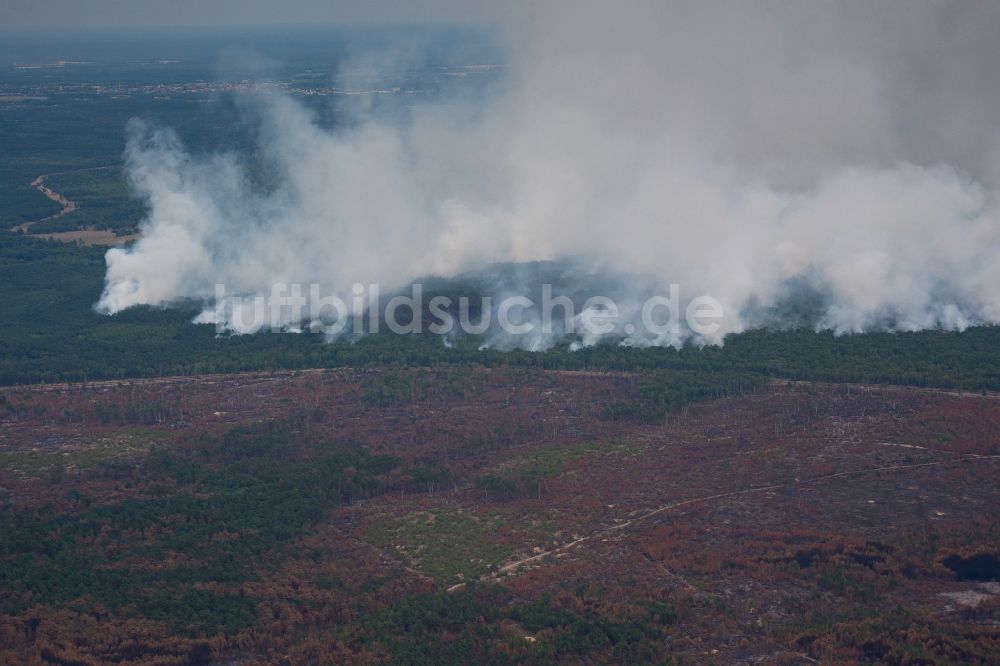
[(506, 515)]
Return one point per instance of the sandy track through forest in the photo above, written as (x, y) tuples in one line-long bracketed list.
[(513, 566), (68, 206), (89, 236)]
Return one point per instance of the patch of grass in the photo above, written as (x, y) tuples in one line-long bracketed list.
[(527, 473), (124, 444), (448, 545), (551, 460)]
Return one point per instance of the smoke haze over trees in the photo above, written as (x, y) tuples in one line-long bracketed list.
[(842, 154)]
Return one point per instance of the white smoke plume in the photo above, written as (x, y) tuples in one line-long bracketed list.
[(733, 148)]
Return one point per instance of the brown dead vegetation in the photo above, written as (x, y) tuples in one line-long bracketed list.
[(802, 523)]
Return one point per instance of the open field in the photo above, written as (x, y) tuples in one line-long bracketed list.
[(496, 511)]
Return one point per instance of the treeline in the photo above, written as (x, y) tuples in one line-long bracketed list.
[(51, 334)]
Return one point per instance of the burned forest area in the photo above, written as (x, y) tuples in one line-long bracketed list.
[(497, 515), (445, 333)]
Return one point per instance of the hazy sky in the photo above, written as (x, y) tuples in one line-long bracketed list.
[(122, 13)]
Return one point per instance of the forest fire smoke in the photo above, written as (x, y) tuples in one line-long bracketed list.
[(829, 164)]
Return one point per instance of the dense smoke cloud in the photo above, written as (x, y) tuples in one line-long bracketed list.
[(755, 152)]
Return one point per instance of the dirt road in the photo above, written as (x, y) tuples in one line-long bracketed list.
[(88, 236)]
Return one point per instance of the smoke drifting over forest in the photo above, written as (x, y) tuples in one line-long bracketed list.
[(829, 164)]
